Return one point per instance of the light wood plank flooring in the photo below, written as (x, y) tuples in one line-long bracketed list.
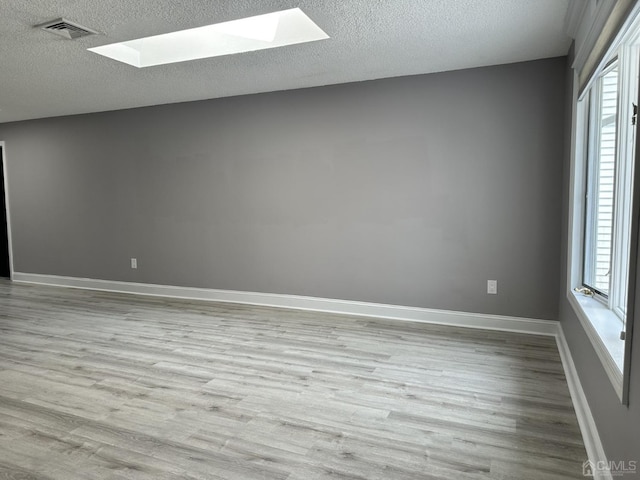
[(106, 386)]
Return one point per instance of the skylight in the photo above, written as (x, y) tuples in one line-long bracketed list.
[(271, 30)]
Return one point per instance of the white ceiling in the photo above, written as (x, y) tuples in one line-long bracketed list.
[(43, 75)]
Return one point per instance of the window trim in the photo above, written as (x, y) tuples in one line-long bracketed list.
[(590, 312), (589, 309), (629, 62), (585, 307)]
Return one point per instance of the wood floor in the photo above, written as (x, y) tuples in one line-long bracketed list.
[(106, 386)]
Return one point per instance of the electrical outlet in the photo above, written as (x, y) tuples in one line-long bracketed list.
[(134, 263), (492, 287)]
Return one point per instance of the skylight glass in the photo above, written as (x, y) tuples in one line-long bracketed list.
[(271, 30)]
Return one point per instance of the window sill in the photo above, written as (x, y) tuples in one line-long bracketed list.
[(602, 326)]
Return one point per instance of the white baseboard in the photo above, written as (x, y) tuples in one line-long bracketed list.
[(591, 439), (347, 307), (588, 429)]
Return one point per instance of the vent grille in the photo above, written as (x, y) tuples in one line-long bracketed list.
[(66, 29)]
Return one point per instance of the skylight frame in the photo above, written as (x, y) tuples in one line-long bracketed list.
[(260, 32)]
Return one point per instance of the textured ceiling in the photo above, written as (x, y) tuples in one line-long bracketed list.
[(44, 75)]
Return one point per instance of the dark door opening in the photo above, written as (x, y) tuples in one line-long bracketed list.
[(5, 270)]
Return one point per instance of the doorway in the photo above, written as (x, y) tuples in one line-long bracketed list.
[(5, 265)]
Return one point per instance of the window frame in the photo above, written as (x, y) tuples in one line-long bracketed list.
[(626, 143), (593, 134), (601, 315)]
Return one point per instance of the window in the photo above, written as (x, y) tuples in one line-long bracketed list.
[(603, 187), (603, 113), (610, 147), (610, 150)]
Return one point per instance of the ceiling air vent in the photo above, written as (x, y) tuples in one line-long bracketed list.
[(66, 29)]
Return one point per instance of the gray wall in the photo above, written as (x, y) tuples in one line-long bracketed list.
[(618, 425), (410, 191)]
